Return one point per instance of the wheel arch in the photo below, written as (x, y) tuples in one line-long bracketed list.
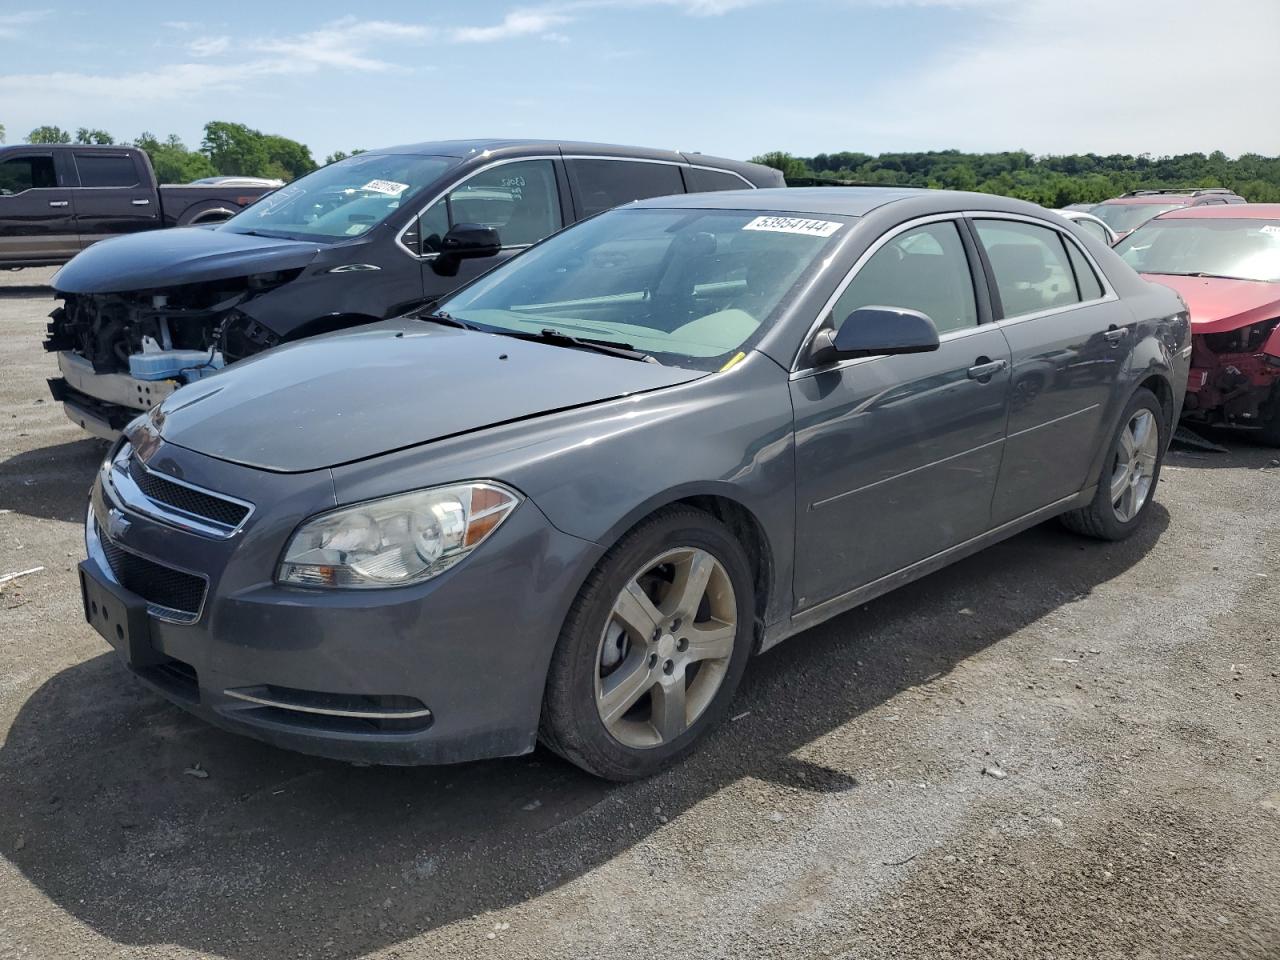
[(1159, 384), (743, 522)]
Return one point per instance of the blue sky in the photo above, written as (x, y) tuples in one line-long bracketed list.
[(731, 77)]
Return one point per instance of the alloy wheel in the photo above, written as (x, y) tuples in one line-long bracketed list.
[(1134, 466), (665, 647)]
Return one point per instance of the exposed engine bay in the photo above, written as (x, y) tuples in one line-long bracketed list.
[(1234, 379), (107, 329)]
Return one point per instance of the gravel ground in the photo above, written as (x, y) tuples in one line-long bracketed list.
[(1124, 699)]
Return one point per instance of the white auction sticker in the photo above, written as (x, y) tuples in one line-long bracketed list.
[(1271, 229), (808, 228), (389, 187)]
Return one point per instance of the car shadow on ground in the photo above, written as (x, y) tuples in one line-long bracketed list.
[(153, 828), (1240, 449), (51, 483)]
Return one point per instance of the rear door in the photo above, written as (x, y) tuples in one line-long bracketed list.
[(1070, 338), (600, 184), (897, 457), (521, 199), (115, 196), (37, 219)]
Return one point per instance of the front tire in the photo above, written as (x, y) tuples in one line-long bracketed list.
[(653, 647), (1129, 474)]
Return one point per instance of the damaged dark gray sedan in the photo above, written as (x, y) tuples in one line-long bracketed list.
[(572, 503)]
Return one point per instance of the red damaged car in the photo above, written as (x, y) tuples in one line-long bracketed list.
[(1225, 262)]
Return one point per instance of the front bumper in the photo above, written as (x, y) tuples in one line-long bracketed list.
[(103, 403), (440, 672)]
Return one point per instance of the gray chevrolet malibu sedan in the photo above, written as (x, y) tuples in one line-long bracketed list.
[(572, 500)]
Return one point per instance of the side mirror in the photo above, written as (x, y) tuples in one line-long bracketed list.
[(465, 241), (874, 332)]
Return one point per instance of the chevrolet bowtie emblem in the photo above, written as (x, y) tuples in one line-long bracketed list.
[(117, 524)]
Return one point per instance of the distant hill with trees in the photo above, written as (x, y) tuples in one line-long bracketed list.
[(1053, 181)]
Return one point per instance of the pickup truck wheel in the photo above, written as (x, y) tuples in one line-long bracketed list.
[(1130, 473), (652, 649)]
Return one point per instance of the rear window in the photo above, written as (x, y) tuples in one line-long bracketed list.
[(1123, 217), (97, 170), (706, 181), (604, 184)]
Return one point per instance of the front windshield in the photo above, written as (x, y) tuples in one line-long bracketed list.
[(688, 287), (1123, 217), (344, 199), (1242, 249)]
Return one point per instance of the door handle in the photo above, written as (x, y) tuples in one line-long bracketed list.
[(985, 368), (1115, 334), (140, 203), (57, 203)]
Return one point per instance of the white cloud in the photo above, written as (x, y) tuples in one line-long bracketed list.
[(517, 23), (1096, 75), (209, 46), (11, 24)]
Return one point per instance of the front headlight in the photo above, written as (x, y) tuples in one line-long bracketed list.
[(395, 541)]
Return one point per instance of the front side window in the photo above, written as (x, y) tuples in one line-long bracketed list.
[(99, 170), (344, 199), (688, 287), (1030, 264), (1240, 249), (922, 269), (1123, 217), (26, 173), (604, 184), (520, 200)]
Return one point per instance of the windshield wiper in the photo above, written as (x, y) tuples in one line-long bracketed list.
[(1206, 276), (448, 319), (610, 347)]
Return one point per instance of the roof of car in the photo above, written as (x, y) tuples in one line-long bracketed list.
[(1222, 211), (840, 201), (466, 149), (1165, 198)]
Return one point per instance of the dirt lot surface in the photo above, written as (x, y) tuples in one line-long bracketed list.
[(1124, 699)]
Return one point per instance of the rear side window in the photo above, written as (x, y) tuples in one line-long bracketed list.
[(706, 181), (26, 173), (1094, 229), (1087, 281), (520, 200), (1031, 266), (603, 184), (922, 269), (99, 170)]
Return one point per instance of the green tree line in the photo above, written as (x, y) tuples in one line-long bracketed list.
[(1053, 181), (227, 149)]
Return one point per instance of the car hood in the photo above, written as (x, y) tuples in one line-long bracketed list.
[(1219, 305), (359, 393), (169, 258)]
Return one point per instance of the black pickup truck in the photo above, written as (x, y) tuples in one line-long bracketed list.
[(57, 199)]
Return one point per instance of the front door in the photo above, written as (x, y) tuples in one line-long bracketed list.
[(116, 196), (520, 199), (37, 219), (897, 457), (1070, 341)]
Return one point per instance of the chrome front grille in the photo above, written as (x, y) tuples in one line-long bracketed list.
[(170, 594), (175, 502), (186, 498)]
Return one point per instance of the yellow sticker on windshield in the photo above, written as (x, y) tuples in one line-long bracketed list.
[(800, 225), (736, 359)]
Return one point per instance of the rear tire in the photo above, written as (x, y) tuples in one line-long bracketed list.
[(652, 649), (1130, 473)]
